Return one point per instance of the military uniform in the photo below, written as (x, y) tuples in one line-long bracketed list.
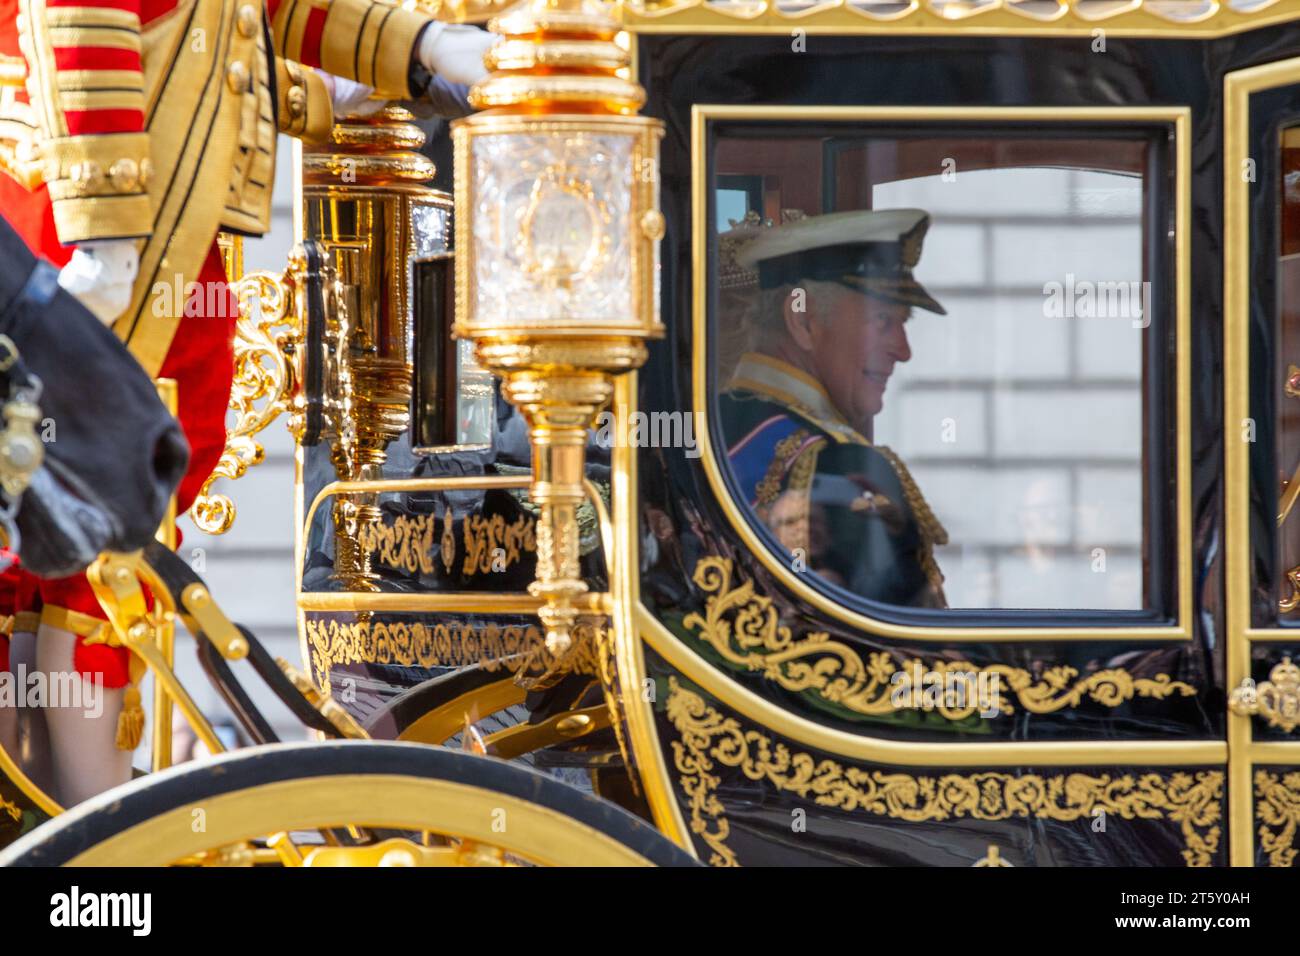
[(156, 121), (843, 508), (849, 510)]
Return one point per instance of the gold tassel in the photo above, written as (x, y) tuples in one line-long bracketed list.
[(130, 723)]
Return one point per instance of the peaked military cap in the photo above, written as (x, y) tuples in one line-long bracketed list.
[(870, 250)]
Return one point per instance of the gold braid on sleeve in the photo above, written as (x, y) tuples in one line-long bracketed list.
[(932, 532)]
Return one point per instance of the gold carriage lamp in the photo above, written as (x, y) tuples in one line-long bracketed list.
[(557, 239)]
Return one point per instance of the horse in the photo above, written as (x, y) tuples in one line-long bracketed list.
[(112, 453)]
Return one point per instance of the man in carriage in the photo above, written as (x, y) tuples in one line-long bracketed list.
[(835, 293), (131, 131)]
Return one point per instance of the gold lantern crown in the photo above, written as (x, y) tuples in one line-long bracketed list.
[(557, 56)]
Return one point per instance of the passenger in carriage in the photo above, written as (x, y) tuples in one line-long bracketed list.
[(834, 296)]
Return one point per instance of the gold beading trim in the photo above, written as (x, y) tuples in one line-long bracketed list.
[(708, 740), (745, 628)]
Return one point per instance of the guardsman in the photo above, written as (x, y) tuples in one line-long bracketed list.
[(131, 131), (834, 294)]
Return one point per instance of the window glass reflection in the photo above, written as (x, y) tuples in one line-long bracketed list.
[(929, 360)]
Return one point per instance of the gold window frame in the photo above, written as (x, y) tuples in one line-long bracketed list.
[(1244, 752), (1179, 117)]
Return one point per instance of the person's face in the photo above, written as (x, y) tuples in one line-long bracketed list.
[(852, 343)]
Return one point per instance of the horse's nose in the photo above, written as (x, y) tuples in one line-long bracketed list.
[(171, 455), (167, 466)]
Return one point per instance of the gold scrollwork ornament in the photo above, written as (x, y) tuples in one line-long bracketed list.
[(744, 627), (708, 740), (1277, 810), (12, 809), (262, 388)]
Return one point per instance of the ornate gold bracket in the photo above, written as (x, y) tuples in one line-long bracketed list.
[(1277, 699), (265, 337)]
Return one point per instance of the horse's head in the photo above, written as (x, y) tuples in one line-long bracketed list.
[(113, 454)]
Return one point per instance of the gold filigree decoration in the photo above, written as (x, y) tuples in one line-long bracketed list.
[(490, 543), (448, 544), (15, 812), (1277, 699), (488, 539), (1277, 809), (404, 545), (514, 648), (745, 628), (708, 740), (261, 390)]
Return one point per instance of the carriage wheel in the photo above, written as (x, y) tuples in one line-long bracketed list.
[(196, 811)]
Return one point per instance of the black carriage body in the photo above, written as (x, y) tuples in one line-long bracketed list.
[(770, 764)]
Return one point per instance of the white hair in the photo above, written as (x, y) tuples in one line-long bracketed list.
[(816, 298)]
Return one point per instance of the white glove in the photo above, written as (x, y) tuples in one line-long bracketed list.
[(454, 51), (101, 274), (350, 98)]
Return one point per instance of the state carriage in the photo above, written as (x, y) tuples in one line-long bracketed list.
[(1104, 422)]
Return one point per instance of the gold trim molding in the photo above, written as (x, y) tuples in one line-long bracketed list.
[(1238, 88), (709, 741), (745, 628), (1134, 18)]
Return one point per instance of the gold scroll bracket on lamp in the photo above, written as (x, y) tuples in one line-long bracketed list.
[(268, 338)]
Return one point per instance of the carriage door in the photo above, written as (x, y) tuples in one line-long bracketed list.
[(1262, 457)]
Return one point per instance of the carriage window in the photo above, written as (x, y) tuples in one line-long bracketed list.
[(928, 361)]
